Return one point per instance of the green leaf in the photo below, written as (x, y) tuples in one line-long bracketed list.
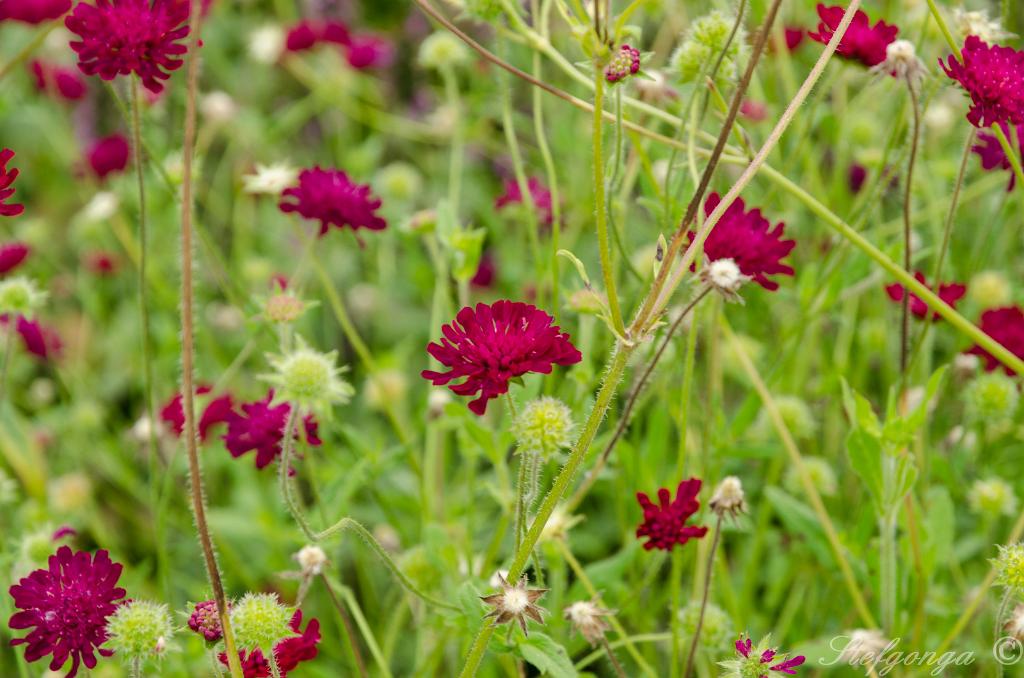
[(546, 655), (859, 410), (580, 268), (801, 520), (865, 454)]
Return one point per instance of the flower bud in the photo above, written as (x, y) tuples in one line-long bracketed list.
[(989, 289), (311, 559), (544, 427), (716, 630), (309, 379), (259, 620), (283, 308), (442, 50), (703, 43), (624, 63), (991, 398), (399, 181), (1009, 565), (20, 296), (205, 620), (992, 497), (138, 628)]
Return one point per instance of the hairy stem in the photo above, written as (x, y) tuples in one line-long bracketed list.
[(600, 207), (692, 655), (283, 477)]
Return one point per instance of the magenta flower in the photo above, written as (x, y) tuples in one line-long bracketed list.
[(260, 428), (364, 52), (33, 11), (333, 199), (625, 63), (41, 341), (856, 176), (7, 177), (301, 36), (289, 652), (664, 524), (748, 239), (1006, 326), (119, 37), (205, 620), (753, 664), (794, 37), (862, 42), (12, 255), (217, 411), (67, 606), (540, 194), (486, 271), (492, 344), (994, 78), (108, 155), (65, 83), (991, 151), (950, 293)]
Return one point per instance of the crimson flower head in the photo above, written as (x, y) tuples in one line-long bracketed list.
[(991, 153), (301, 36), (748, 239), (33, 11), (993, 76), (7, 177), (66, 605), (66, 83), (331, 198), (108, 155), (492, 344), (1006, 326), (538, 191), (289, 652), (664, 524), (260, 428), (794, 37), (364, 52), (119, 37), (950, 293), (862, 42), (41, 341), (205, 620), (12, 255), (755, 660), (217, 411)]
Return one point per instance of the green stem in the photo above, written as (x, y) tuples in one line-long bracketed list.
[(346, 623), (907, 254), (135, 668), (275, 671), (887, 569), (284, 481), (364, 628), (451, 90), (600, 208), (1010, 153)]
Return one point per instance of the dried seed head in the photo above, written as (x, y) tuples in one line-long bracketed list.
[(901, 61), (1014, 626), (978, 23), (989, 289), (728, 498), (559, 524), (442, 50), (515, 603), (311, 559), (587, 618), (725, 277)]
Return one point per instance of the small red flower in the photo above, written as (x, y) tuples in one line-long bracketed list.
[(492, 344), (856, 176), (119, 37), (66, 83), (748, 239), (101, 263), (217, 411), (260, 428), (994, 78), (13, 255), (289, 652), (538, 191), (7, 177), (205, 620), (364, 52), (486, 271), (794, 37), (66, 606), (1006, 326), (950, 293), (108, 155), (301, 36), (754, 663), (862, 42), (755, 111), (991, 151), (625, 63), (664, 524), (33, 11), (333, 199), (41, 341)]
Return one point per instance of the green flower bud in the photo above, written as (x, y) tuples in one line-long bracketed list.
[(992, 497), (992, 397), (716, 631), (284, 308), (823, 477), (259, 620), (309, 379), (1009, 566), (139, 629), (399, 181), (704, 42), (544, 427), (20, 296), (795, 413), (442, 50), (989, 289)]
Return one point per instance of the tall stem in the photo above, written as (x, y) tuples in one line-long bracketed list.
[(283, 479), (691, 657), (907, 235), (887, 569), (188, 349), (600, 208)]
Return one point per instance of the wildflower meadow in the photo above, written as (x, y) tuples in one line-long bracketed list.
[(510, 338)]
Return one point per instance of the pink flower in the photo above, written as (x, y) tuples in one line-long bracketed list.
[(260, 429), (66, 83), (748, 239), (856, 176), (40, 341), (12, 255), (950, 293), (1006, 326), (540, 194), (333, 199), (119, 37), (289, 652), (485, 271), (862, 42), (755, 111), (301, 36), (664, 524), (794, 37), (625, 63), (108, 155), (7, 177), (66, 606), (33, 11), (991, 151), (205, 620), (217, 411), (492, 344), (994, 78), (368, 51), (754, 664)]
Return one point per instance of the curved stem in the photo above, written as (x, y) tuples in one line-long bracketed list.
[(284, 467)]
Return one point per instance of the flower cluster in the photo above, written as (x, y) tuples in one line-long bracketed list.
[(260, 428), (330, 197), (749, 240), (1006, 326), (7, 177), (993, 76), (625, 63), (67, 606), (491, 344), (119, 37), (862, 42), (950, 293), (664, 524)]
